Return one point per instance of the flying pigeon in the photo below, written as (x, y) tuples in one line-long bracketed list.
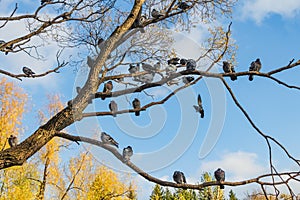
[(191, 64), (6, 49), (27, 71), (255, 66), (183, 5), (107, 139), (113, 107), (12, 141), (174, 61), (90, 62), (199, 107), (157, 66), (136, 105), (220, 176), (107, 88), (127, 153), (156, 14), (187, 79), (170, 69), (133, 69), (179, 177), (147, 78), (228, 68), (148, 67)]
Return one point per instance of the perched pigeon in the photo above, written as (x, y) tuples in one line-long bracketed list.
[(255, 66), (187, 79), (179, 177), (134, 69), (136, 105), (157, 66), (107, 88), (107, 139), (220, 176), (148, 67), (127, 153), (191, 64), (173, 61), (6, 49), (170, 69), (228, 68), (138, 22), (156, 14), (27, 71), (183, 5), (113, 107), (147, 78), (183, 61), (12, 141), (199, 107), (90, 62), (100, 43)]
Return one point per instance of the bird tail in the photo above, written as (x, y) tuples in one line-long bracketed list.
[(233, 77), (103, 98), (250, 77), (222, 187), (137, 113)]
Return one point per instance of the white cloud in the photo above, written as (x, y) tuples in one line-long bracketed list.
[(258, 10)]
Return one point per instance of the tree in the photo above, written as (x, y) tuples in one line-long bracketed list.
[(212, 192), (232, 195), (157, 193), (84, 25)]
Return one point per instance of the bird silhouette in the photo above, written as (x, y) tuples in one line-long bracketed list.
[(199, 107), (113, 107), (187, 79), (136, 105), (107, 88), (254, 66), (45, 1), (156, 14), (229, 68), (220, 176), (12, 141), (107, 139), (183, 5), (90, 62), (179, 177), (191, 64), (133, 68), (173, 61), (127, 153), (27, 71)]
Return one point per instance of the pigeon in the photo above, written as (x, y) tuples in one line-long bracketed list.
[(148, 67), (113, 107), (156, 14), (191, 64), (220, 176), (100, 43), (147, 78), (90, 62), (127, 153), (199, 107), (183, 61), (6, 49), (107, 88), (133, 69), (138, 22), (183, 5), (170, 69), (187, 79), (157, 66), (173, 61), (179, 177), (107, 139), (12, 141), (255, 66), (27, 71), (228, 68), (136, 105)]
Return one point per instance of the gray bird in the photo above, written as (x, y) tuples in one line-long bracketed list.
[(147, 67), (90, 62), (183, 5), (183, 61), (107, 139), (27, 71), (173, 61), (100, 43), (127, 153), (6, 49), (156, 14), (255, 66), (179, 177), (136, 105), (187, 79), (113, 107), (191, 64), (220, 176), (12, 141), (157, 66), (170, 69), (229, 68), (147, 78), (107, 88), (133, 69), (199, 107)]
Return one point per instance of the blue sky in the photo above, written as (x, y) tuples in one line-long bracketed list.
[(175, 140)]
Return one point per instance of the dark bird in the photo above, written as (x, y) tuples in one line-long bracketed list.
[(199, 107), (148, 67), (107, 88), (6, 49), (147, 78), (229, 68), (191, 64), (156, 14), (107, 139), (183, 5), (113, 107), (27, 71), (134, 68), (179, 177), (78, 89), (100, 43), (136, 105), (183, 61), (173, 61), (90, 62), (255, 66), (127, 153), (12, 141), (220, 176), (187, 79)]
